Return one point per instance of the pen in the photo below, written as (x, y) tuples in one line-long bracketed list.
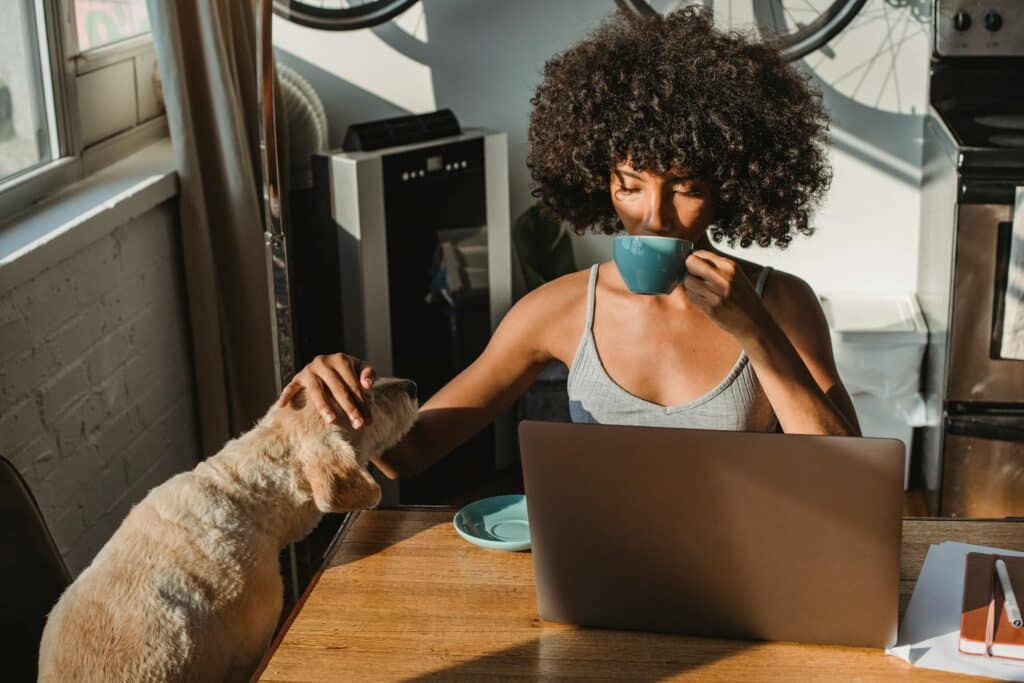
[(1012, 609)]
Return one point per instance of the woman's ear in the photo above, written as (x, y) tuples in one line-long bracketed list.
[(337, 481)]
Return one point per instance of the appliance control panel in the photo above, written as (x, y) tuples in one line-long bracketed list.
[(979, 28)]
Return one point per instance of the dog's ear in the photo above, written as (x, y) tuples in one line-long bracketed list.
[(338, 482)]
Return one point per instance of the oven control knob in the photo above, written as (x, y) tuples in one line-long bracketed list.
[(961, 21), (993, 20)]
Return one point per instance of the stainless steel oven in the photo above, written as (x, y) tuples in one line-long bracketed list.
[(977, 373), (973, 451), (984, 465)]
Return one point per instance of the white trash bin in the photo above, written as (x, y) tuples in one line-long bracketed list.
[(879, 342)]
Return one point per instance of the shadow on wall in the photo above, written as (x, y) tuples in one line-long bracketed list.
[(873, 78)]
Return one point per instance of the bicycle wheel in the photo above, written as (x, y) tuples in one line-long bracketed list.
[(340, 15), (794, 27)]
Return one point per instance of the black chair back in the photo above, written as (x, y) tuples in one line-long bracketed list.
[(32, 575)]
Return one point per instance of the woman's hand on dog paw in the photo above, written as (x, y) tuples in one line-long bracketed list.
[(345, 378)]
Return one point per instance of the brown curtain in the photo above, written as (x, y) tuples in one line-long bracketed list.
[(207, 61)]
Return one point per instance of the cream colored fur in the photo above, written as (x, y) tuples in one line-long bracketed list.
[(188, 588)]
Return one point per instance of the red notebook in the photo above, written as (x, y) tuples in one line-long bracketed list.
[(984, 627)]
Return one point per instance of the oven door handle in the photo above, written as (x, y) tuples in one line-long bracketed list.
[(980, 429)]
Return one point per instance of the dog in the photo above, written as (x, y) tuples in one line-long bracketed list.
[(188, 587)]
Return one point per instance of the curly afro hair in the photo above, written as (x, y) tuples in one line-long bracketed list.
[(671, 92)]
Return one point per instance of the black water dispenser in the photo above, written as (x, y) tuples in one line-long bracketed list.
[(422, 261)]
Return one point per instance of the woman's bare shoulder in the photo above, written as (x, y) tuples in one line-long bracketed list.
[(793, 302), (786, 289), (553, 297), (553, 314)]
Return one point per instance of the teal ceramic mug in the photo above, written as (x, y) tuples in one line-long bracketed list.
[(650, 264)]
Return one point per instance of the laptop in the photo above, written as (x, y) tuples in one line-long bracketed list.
[(713, 533)]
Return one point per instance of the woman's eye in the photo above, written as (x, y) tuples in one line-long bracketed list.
[(628, 190), (688, 192)]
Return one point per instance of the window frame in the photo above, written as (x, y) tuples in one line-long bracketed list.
[(74, 158)]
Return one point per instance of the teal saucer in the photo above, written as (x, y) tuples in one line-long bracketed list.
[(498, 523)]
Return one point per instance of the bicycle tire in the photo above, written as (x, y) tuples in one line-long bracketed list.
[(342, 18), (794, 45)]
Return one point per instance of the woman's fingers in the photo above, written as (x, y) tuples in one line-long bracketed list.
[(718, 287), (706, 273), (315, 393), (722, 265), (368, 376), (339, 377), (715, 276), (714, 259), (347, 392), (701, 267), (343, 397), (288, 392), (697, 288), (693, 284), (344, 368)]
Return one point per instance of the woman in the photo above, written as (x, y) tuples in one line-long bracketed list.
[(654, 127)]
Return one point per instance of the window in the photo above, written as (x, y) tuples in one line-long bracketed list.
[(28, 132), (102, 22), (78, 91)]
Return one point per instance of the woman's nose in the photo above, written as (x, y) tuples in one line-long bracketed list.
[(657, 214)]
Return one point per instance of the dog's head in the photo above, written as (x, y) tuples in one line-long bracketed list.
[(332, 459)]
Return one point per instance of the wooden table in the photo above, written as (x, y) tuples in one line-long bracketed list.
[(402, 597)]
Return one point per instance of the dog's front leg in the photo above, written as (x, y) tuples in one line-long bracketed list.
[(257, 619)]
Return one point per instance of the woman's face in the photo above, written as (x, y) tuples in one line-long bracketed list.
[(669, 205)]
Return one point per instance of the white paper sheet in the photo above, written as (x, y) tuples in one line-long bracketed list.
[(930, 632)]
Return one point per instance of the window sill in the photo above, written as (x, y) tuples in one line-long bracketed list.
[(47, 233)]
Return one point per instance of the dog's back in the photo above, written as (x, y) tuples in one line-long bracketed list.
[(162, 602)]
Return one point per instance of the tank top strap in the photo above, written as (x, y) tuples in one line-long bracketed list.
[(761, 279), (591, 298)]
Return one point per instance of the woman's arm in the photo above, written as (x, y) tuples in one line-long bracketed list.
[(793, 358), (515, 355), (785, 336)]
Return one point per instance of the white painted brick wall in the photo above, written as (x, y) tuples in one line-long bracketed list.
[(96, 397)]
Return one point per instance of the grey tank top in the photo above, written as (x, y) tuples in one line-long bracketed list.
[(738, 403)]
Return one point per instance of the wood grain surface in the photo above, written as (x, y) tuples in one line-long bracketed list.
[(404, 598)]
